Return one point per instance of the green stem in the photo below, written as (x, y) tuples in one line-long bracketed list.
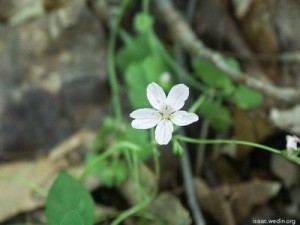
[(158, 48), (198, 103), (146, 4), (219, 141), (37, 188), (146, 202), (110, 151), (111, 64), (131, 211)]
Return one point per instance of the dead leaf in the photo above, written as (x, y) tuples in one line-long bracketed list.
[(147, 180), (230, 204), (284, 169), (169, 209), (288, 120), (21, 181), (241, 7), (165, 206), (215, 202), (249, 126)]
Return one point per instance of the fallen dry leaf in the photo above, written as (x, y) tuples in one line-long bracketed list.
[(169, 209), (287, 120), (230, 204), (284, 169), (24, 184)]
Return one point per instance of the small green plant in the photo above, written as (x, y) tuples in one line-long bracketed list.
[(69, 203), (146, 67)]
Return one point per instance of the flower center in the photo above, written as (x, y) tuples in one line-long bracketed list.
[(166, 112)]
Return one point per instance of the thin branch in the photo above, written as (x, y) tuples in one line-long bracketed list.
[(189, 187), (185, 161), (187, 38), (286, 57)]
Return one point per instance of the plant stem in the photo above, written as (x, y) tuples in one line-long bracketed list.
[(220, 141), (146, 4), (114, 149), (146, 202), (111, 64), (189, 188), (198, 103)]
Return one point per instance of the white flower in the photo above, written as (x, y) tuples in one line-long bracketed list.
[(166, 112), (291, 143)]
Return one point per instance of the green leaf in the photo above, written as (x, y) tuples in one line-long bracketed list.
[(66, 196), (134, 51), (139, 137), (213, 76), (72, 218), (247, 98), (136, 84), (177, 148), (154, 66), (210, 74), (217, 115), (110, 171), (143, 22), (139, 75)]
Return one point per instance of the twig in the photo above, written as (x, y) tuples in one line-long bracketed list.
[(286, 57), (185, 161), (189, 187), (187, 38)]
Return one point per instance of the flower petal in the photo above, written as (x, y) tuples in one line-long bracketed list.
[(177, 96), (145, 118), (156, 96), (143, 113), (163, 132), (183, 118), (291, 142)]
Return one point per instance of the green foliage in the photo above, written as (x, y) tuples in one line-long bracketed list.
[(139, 75), (69, 203), (217, 115), (212, 76), (247, 98), (109, 163), (135, 50), (111, 171), (142, 64), (72, 218), (177, 148), (143, 22)]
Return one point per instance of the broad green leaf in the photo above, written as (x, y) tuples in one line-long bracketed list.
[(143, 22), (210, 74), (68, 195), (137, 82), (134, 51), (247, 98), (140, 137), (154, 67), (72, 218), (110, 171), (213, 76), (139, 75), (217, 115)]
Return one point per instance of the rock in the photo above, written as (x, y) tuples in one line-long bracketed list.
[(52, 84)]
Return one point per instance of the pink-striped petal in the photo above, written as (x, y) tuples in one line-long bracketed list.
[(163, 132), (145, 118), (156, 96), (183, 118), (177, 97)]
